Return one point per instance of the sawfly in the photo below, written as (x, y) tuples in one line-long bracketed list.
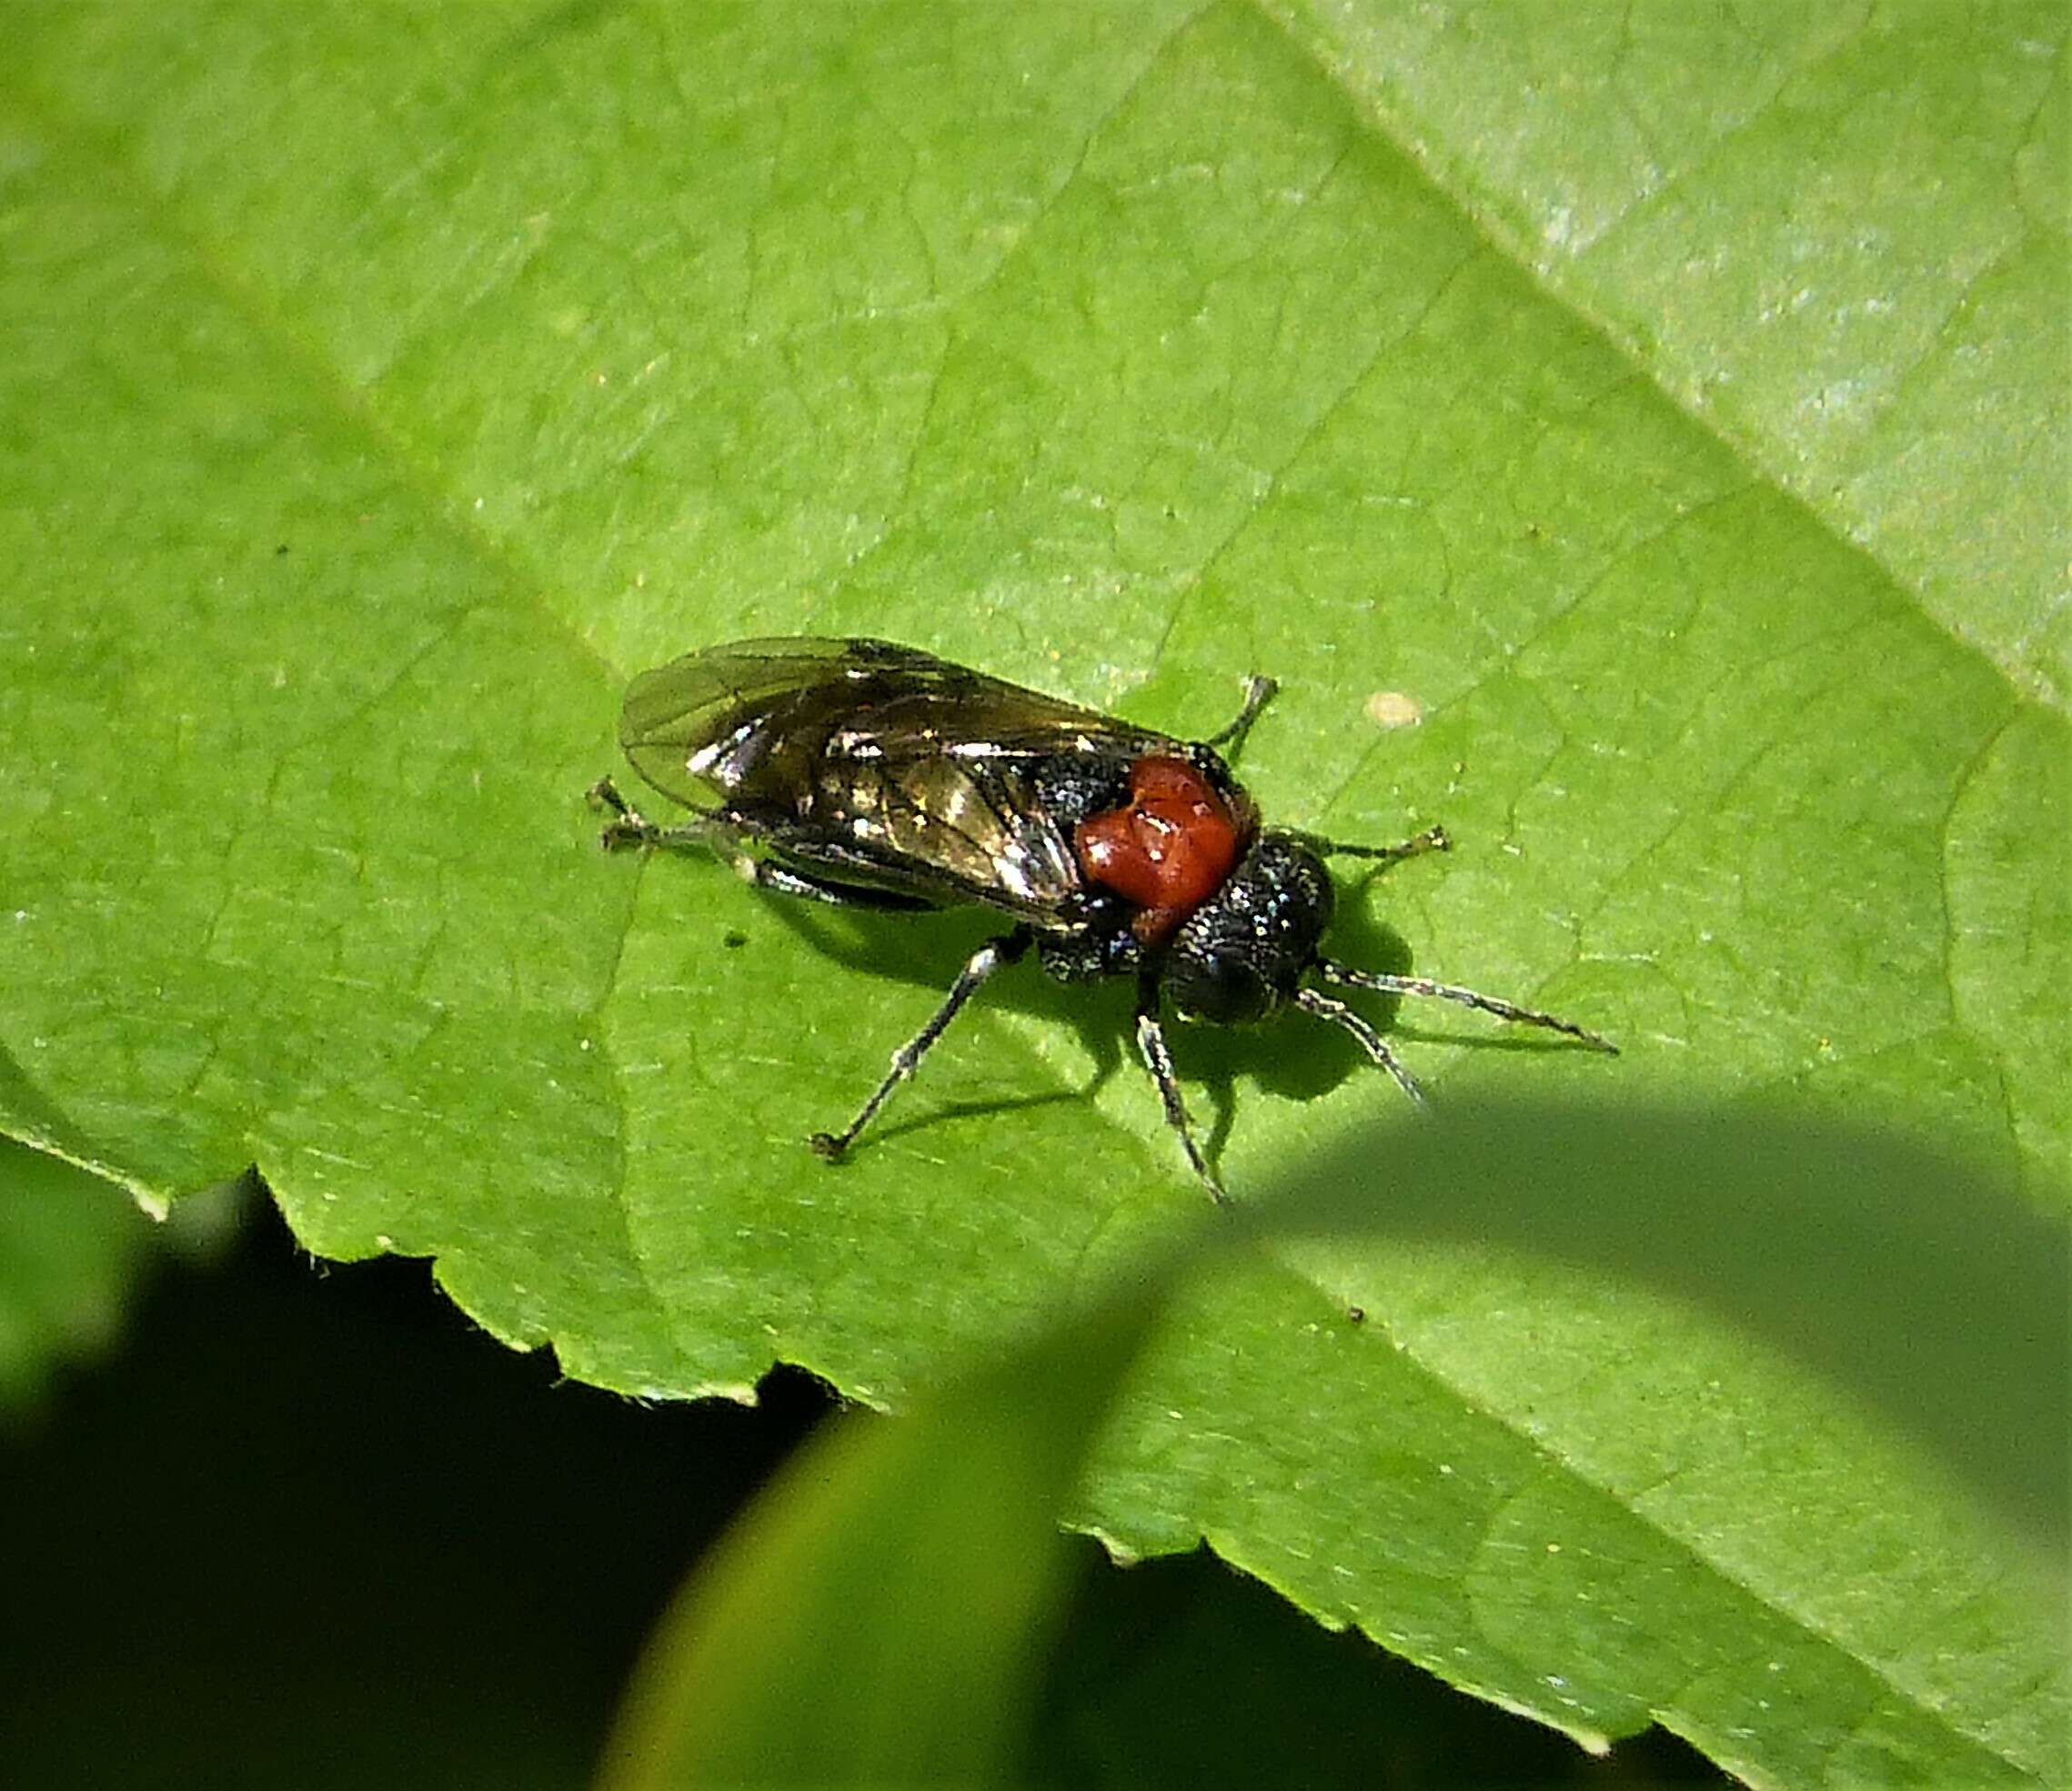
[(870, 775)]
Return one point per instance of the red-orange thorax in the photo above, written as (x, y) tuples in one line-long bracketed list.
[(1168, 849)]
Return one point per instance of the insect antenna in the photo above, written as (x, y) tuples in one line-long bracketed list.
[(1329, 1006), (1468, 997)]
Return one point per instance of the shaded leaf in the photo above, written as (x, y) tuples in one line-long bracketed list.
[(877, 1616), (383, 395)]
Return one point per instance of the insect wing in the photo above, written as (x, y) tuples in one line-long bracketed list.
[(873, 764), (701, 726)]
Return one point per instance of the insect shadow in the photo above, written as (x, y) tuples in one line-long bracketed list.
[(860, 774), (926, 956), (1221, 1057)]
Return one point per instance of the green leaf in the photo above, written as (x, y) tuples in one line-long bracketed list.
[(1827, 235), (874, 1618), (878, 1617), (70, 1248), (382, 392)]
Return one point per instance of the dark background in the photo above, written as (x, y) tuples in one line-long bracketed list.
[(305, 1527)]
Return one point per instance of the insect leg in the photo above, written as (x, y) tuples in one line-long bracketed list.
[(629, 827), (1432, 839), (1469, 998), (1158, 1060), (1258, 693), (1329, 1006), (718, 830), (765, 874), (988, 958)]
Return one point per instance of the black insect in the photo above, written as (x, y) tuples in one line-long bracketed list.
[(869, 775)]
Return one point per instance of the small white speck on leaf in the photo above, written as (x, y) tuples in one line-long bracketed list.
[(1394, 708)]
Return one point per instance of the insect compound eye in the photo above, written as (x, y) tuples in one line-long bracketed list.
[(1169, 849), (1239, 955), (1223, 987)]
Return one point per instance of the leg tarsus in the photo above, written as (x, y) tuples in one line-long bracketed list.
[(628, 826), (1158, 1060), (767, 874), (1467, 998), (988, 958), (1329, 1006), (1432, 839), (1258, 693)]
